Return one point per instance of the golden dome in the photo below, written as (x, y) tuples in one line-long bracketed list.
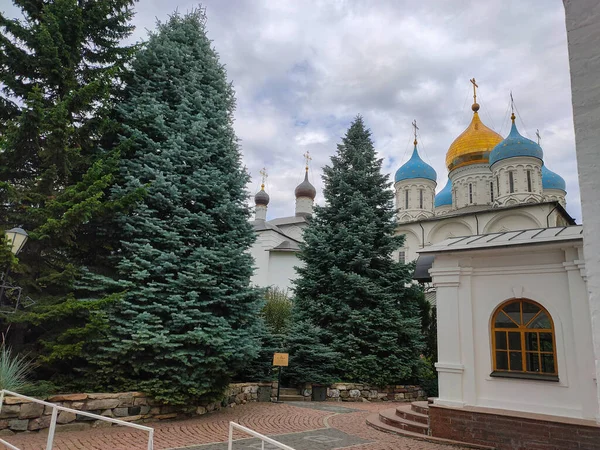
[(474, 145)]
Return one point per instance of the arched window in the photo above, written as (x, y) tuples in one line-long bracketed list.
[(523, 340)]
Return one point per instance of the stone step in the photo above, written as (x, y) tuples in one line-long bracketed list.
[(289, 391), (389, 417), (406, 412), (293, 398), (373, 420), (421, 407)]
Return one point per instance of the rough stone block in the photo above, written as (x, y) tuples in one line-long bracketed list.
[(66, 417), (6, 432), (15, 401), (3, 424), (333, 393), (48, 410), (67, 398), (120, 412), (200, 410), (140, 401), (126, 401), (399, 396), (165, 416), (38, 424), (344, 394), (106, 403), (18, 424), (133, 410), (31, 410), (74, 427), (154, 410), (144, 409), (107, 413), (354, 393), (10, 411), (131, 418), (250, 389), (82, 418), (103, 396), (77, 405), (101, 424)]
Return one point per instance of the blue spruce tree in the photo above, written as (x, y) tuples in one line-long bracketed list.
[(188, 318), (356, 311)]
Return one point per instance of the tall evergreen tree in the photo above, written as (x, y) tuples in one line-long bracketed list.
[(353, 297), (60, 74), (188, 319)]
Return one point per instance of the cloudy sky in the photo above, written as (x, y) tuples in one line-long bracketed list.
[(302, 69)]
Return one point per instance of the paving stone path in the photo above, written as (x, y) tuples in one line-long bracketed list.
[(308, 426)]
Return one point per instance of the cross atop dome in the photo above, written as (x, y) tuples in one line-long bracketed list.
[(307, 159), (264, 175), (414, 124), (475, 106)]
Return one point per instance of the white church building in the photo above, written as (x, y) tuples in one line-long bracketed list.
[(494, 185)]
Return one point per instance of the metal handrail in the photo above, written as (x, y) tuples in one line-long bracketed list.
[(263, 438), (56, 408)]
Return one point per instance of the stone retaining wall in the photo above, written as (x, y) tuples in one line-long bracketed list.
[(354, 392), (19, 415)]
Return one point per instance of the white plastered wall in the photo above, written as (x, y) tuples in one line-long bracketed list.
[(470, 286), (583, 35)]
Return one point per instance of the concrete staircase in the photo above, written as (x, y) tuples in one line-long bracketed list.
[(292, 395), (411, 420)]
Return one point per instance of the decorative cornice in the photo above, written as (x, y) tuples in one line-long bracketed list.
[(449, 367)]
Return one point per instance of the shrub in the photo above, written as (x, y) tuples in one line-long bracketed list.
[(277, 311), (14, 370)]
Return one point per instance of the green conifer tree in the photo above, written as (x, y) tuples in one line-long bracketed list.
[(189, 318), (357, 301), (60, 76)]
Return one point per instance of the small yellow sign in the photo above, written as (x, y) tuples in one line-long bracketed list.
[(280, 359)]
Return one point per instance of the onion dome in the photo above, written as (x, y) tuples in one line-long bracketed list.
[(261, 197), (474, 145), (444, 197), (515, 145), (305, 189), (551, 180), (415, 167)]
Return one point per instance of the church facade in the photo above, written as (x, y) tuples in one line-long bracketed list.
[(494, 185), (277, 240)]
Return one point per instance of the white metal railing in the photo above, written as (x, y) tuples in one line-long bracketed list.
[(56, 408), (263, 438)]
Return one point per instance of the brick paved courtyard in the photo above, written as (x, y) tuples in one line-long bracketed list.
[(317, 426)]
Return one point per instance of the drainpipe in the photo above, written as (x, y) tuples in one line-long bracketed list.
[(422, 235), (548, 216)]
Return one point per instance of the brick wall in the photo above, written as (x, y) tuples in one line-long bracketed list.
[(513, 433)]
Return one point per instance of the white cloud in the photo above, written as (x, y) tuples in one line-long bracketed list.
[(303, 69)]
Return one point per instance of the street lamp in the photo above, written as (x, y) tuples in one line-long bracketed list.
[(16, 237)]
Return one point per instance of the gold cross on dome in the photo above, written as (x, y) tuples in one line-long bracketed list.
[(307, 158), (475, 86), (264, 175), (414, 124), (537, 133)]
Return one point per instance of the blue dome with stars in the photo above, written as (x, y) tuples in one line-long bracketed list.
[(515, 145), (415, 167), (551, 180), (444, 197)]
